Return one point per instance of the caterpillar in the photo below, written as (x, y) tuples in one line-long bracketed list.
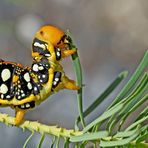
[(23, 88)]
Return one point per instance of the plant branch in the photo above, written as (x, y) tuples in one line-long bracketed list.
[(39, 127), (35, 126)]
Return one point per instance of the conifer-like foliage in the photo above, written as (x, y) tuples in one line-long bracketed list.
[(115, 134)]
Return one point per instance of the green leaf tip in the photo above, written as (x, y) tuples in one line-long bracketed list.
[(134, 78), (125, 133), (123, 74), (89, 136), (104, 116), (118, 142)]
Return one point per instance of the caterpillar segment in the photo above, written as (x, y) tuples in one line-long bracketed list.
[(23, 88)]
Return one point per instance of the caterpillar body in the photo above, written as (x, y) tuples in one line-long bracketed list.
[(23, 88)]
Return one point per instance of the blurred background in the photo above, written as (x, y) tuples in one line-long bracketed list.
[(111, 36)]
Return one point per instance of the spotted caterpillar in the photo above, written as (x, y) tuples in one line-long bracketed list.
[(23, 88)]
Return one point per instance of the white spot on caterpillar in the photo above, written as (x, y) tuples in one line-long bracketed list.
[(47, 55), (5, 75), (41, 67), (27, 77), (3, 89), (39, 45), (35, 89), (35, 67), (57, 79), (29, 85), (23, 95), (2, 96), (8, 96), (58, 54), (41, 81), (44, 76), (58, 49), (54, 83), (23, 106), (19, 97), (27, 105)]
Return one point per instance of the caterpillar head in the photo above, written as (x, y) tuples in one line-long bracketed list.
[(50, 34), (50, 42)]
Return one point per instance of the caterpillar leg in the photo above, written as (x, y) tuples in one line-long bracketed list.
[(70, 84), (19, 116), (60, 81), (66, 53)]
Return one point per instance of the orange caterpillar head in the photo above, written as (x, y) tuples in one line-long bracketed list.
[(51, 42), (50, 34)]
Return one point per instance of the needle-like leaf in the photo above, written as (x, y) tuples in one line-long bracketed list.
[(104, 95), (89, 136), (143, 64), (78, 72), (41, 141), (104, 116), (118, 142), (28, 139)]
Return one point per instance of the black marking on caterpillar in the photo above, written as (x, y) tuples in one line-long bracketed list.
[(57, 53), (6, 75), (24, 86), (56, 79), (27, 105), (40, 47), (41, 69)]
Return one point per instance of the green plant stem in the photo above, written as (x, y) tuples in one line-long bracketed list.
[(41, 128), (46, 129)]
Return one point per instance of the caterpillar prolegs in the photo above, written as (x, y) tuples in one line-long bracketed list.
[(23, 88)]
